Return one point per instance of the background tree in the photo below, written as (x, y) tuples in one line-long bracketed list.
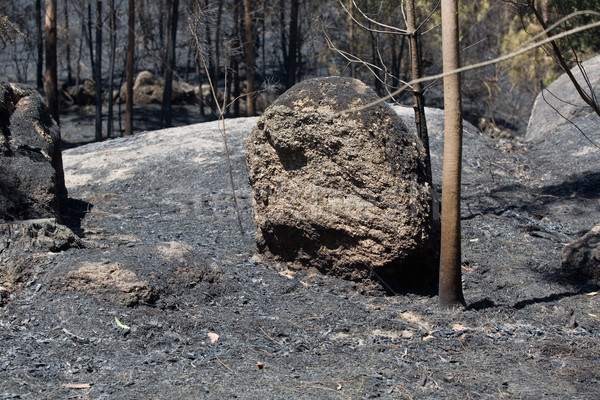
[(39, 75), (171, 65), (249, 58), (51, 83), (292, 53), (111, 71), (130, 68), (98, 71)]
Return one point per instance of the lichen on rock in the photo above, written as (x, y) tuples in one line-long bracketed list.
[(345, 192)]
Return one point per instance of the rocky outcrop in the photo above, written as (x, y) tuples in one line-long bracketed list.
[(581, 258), (345, 193), (560, 119), (149, 90), (81, 95), (31, 172)]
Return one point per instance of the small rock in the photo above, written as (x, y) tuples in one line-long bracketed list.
[(581, 258)]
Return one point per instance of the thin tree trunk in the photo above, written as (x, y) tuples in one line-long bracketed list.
[(239, 28), (218, 45), (40, 45), (112, 50), (51, 67), (351, 36), (130, 66), (293, 44), (249, 59), (199, 76), (98, 71), (68, 46), (450, 290), (210, 60), (284, 47), (415, 63), (89, 37), (172, 41), (80, 50)]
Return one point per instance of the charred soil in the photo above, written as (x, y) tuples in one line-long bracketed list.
[(168, 300)]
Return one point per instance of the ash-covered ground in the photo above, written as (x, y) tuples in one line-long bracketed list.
[(168, 300)]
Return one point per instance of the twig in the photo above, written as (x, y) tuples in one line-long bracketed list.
[(326, 388), (221, 110), (310, 318), (224, 365), (315, 385), (269, 337)]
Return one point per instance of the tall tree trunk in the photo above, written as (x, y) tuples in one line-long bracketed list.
[(217, 64), (51, 67), (98, 71), (293, 45), (68, 41), (249, 59), (351, 36), (415, 64), (89, 37), (40, 45), (130, 67), (239, 28), (80, 50), (172, 41), (210, 61), (284, 47), (112, 22), (450, 290)]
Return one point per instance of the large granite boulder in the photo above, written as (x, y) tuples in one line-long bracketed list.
[(345, 193), (32, 183), (561, 120)]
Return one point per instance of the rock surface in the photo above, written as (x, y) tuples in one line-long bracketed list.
[(345, 193), (561, 119), (581, 258), (31, 171)]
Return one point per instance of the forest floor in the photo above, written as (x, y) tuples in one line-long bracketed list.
[(168, 300)]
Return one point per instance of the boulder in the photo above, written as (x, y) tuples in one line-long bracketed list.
[(31, 173), (147, 90), (183, 94), (345, 193), (581, 258), (560, 119), (83, 94)]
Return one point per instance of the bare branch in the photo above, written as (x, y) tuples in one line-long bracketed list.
[(390, 29), (482, 64)]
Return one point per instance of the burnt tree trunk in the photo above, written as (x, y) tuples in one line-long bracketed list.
[(130, 67), (98, 71), (249, 59), (171, 44), (51, 64)]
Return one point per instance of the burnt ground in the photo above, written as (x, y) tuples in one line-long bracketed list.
[(165, 269)]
